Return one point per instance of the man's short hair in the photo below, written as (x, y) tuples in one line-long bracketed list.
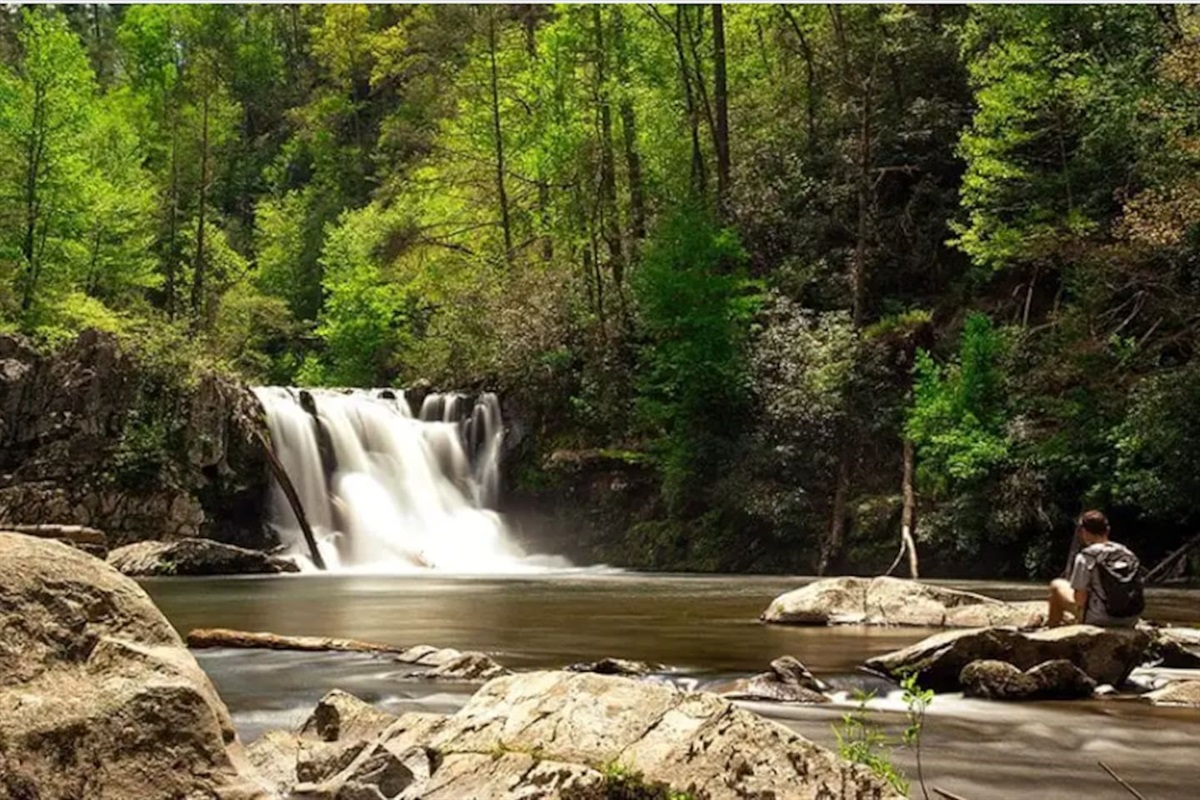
[(1094, 522)]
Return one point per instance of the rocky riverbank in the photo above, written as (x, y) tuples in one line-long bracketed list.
[(100, 699)]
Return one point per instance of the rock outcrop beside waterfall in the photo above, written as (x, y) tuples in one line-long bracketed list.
[(195, 557), (93, 435), (896, 601), (98, 697), (555, 735)]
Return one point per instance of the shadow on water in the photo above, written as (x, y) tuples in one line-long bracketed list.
[(704, 628)]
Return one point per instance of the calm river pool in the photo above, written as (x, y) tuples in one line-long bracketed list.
[(703, 629)]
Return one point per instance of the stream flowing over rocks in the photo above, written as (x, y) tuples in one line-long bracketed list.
[(90, 435), (550, 735)]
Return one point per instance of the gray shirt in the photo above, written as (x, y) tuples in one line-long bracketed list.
[(1084, 576)]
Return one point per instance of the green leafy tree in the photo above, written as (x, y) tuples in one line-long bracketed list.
[(46, 103), (957, 419), (695, 304)]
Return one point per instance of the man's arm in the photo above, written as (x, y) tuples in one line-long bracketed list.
[(1080, 605)]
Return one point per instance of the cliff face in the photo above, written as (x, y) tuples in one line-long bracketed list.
[(93, 435)]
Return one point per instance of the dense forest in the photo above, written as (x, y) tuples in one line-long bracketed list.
[(826, 271)]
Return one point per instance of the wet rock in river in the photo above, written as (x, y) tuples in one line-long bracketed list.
[(1000, 680), (896, 601), (617, 666), (195, 557), (1177, 648), (99, 699), (1106, 655), (787, 681), (1177, 693), (448, 664)]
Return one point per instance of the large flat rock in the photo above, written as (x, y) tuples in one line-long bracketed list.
[(896, 601), (1106, 655), (555, 734), (99, 699)]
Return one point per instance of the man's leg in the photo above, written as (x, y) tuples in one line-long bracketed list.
[(1062, 597)]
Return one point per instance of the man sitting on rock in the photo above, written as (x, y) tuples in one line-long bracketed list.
[(1103, 585)]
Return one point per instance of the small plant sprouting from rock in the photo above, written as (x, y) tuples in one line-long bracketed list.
[(862, 741), (917, 700), (623, 783)]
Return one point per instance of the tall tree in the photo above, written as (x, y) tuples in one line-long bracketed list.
[(45, 109)]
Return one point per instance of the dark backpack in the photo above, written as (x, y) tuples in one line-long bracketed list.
[(1120, 575)]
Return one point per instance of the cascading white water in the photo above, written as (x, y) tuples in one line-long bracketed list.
[(383, 490)]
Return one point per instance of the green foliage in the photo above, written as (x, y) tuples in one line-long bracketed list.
[(1158, 446), (695, 305), (916, 701), (860, 741), (525, 198), (957, 419), (1057, 90)]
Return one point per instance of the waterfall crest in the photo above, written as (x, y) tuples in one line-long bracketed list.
[(384, 490)]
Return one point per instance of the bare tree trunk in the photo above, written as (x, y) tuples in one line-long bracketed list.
[(33, 170), (721, 97), (859, 270), (173, 217), (289, 491), (633, 161), (198, 273), (832, 544), (699, 178), (497, 131), (908, 515), (610, 224), (810, 80), (529, 24)]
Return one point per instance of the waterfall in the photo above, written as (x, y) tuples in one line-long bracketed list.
[(384, 490)]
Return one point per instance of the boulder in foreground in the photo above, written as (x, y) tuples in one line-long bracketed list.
[(99, 699), (195, 557), (896, 601), (549, 735), (1106, 655)]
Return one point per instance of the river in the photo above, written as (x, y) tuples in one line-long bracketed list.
[(703, 629)]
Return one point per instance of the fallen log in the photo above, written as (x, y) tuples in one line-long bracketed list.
[(293, 499), (1121, 781), (1164, 566), (80, 534), (202, 638)]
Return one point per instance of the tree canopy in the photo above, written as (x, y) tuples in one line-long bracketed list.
[(777, 252)]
